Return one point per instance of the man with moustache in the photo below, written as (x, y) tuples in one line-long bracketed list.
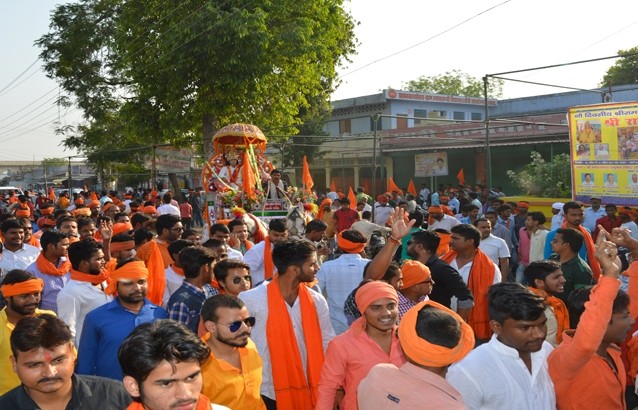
[(515, 358), (232, 373), (106, 327), (23, 293)]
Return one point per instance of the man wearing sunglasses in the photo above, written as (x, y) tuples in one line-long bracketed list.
[(233, 276), (232, 373)]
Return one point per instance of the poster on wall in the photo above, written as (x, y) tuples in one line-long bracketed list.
[(604, 148), (432, 164)]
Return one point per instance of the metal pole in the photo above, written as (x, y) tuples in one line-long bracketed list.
[(153, 171), (375, 120), (70, 185), (488, 152)]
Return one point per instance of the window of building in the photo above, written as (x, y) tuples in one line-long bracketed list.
[(402, 121), (459, 115), (379, 124), (345, 126), (419, 117), (477, 116)]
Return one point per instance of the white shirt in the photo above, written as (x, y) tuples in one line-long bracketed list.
[(495, 248), (76, 300), (254, 257), (591, 216), (465, 274), (173, 282), (557, 220), (19, 259), (337, 279), (447, 223), (631, 225), (493, 376), (168, 209), (537, 245), (332, 195), (381, 213), (234, 254), (256, 300)]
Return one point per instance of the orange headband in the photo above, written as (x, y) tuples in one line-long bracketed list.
[(414, 272), (22, 288), (94, 203), (373, 291), (122, 246), (429, 354), (107, 206), (82, 212), (522, 205), (122, 227), (23, 213), (349, 246), (131, 271), (47, 211), (435, 209), (150, 209), (326, 201)]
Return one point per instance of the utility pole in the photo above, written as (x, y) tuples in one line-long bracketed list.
[(488, 151), (153, 170), (375, 120), (69, 180)]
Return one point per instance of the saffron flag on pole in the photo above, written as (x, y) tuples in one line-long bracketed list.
[(352, 197), (393, 187), (333, 186), (306, 177), (461, 177), (411, 188), (248, 179)]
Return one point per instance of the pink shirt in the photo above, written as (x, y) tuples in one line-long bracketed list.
[(186, 210), (349, 358), (408, 387), (524, 245)]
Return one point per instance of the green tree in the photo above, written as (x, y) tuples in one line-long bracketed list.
[(545, 179), (149, 72), (455, 82), (624, 71)]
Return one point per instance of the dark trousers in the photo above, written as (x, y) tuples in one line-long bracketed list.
[(270, 403)]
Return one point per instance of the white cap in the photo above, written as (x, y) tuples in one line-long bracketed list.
[(558, 205)]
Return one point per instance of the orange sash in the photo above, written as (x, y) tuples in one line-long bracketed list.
[(85, 277), (269, 267), (33, 241), (292, 389), (560, 311), (591, 250), (202, 404), (179, 271), (480, 279), (48, 268), (156, 274)]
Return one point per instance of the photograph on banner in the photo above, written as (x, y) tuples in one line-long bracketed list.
[(604, 141), (432, 164)]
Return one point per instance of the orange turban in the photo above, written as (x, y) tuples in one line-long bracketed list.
[(107, 206), (349, 246), (22, 288), (435, 209), (134, 270), (150, 209), (122, 227), (429, 354), (23, 213), (414, 272), (522, 204), (79, 201), (81, 212), (47, 211), (373, 291), (122, 246), (94, 203)]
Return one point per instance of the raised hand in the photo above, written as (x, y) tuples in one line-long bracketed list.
[(398, 225)]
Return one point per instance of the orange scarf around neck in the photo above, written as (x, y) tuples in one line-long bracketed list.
[(156, 274), (560, 311), (591, 251), (269, 267), (85, 277), (179, 271), (48, 268), (480, 279), (292, 389), (202, 404)]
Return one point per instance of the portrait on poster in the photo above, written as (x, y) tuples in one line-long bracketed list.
[(628, 142), (582, 151), (611, 181), (633, 180), (601, 151), (587, 180), (588, 132), (431, 164)]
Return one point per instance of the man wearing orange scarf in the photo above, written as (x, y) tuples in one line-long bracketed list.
[(259, 257), (432, 338), (370, 340), (478, 271), (52, 266), (85, 291), (175, 272), (292, 328), (106, 327), (22, 291), (546, 279), (175, 354), (574, 219)]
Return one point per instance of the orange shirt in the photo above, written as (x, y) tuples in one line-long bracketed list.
[(144, 253), (235, 388), (582, 379)]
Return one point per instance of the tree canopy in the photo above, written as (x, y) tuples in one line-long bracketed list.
[(455, 82), (155, 72), (624, 71)]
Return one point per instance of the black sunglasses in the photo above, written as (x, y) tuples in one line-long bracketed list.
[(237, 279), (233, 327)]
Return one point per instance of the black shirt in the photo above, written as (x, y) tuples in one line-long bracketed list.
[(447, 283), (88, 393)]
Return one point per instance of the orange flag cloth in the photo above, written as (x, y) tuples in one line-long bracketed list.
[(480, 279), (461, 177), (292, 391), (411, 188), (353, 198), (248, 179), (393, 187), (333, 186), (306, 177)]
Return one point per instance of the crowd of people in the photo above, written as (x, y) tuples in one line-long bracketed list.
[(443, 299)]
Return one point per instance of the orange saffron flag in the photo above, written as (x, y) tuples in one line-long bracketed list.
[(248, 179), (352, 198), (461, 177), (306, 177), (333, 186), (393, 187), (411, 188)]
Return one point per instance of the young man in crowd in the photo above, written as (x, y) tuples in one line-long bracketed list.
[(52, 266), (565, 246), (233, 276), (494, 247), (259, 257)]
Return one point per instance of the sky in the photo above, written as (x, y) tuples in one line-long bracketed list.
[(477, 37)]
